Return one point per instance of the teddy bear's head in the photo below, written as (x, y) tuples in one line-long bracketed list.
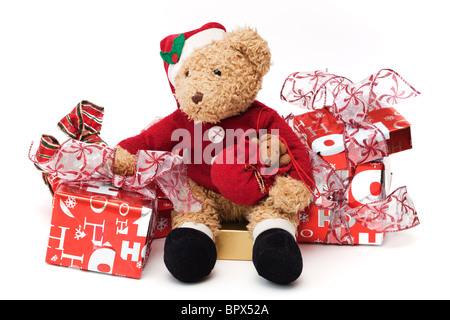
[(221, 79)]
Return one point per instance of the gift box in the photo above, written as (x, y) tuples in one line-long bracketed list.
[(370, 183), (234, 242), (99, 228), (163, 222), (350, 126), (314, 228), (324, 134), (164, 209)]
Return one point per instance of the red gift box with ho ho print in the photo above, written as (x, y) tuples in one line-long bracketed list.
[(351, 122), (100, 228), (163, 209), (325, 135), (370, 182)]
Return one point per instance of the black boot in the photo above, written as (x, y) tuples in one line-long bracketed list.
[(189, 254), (277, 257)]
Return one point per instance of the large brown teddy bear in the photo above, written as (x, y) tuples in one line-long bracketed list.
[(215, 76)]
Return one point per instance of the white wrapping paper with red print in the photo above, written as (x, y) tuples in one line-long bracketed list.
[(99, 228)]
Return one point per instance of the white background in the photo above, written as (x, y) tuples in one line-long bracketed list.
[(54, 54)]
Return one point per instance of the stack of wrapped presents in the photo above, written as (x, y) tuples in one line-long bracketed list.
[(351, 130), (102, 221)]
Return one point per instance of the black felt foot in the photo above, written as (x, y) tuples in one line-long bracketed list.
[(277, 257), (189, 254)]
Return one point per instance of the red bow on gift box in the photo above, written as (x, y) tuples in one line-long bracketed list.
[(87, 158), (350, 103)]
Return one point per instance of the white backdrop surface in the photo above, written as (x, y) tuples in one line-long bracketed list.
[(54, 54)]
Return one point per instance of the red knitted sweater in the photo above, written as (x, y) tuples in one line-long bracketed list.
[(204, 141)]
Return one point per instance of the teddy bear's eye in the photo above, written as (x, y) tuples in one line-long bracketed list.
[(187, 73), (217, 72)]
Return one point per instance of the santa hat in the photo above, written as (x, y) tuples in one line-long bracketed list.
[(177, 47)]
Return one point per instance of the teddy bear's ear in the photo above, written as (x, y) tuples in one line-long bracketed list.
[(264, 137), (283, 148), (254, 140), (248, 42)]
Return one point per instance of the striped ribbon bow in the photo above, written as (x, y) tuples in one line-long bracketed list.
[(83, 123)]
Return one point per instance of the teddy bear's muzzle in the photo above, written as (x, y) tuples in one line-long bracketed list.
[(198, 97)]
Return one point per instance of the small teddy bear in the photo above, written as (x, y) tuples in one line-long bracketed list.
[(272, 157), (215, 77), (244, 172)]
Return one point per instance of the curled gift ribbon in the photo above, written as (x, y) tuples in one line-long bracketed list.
[(92, 160), (393, 213), (350, 103)]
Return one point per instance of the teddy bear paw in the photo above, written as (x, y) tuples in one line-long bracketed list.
[(277, 257), (189, 254)]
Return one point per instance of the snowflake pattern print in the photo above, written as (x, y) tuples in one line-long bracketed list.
[(162, 224), (70, 202)]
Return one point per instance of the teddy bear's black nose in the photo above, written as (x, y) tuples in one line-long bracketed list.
[(197, 97)]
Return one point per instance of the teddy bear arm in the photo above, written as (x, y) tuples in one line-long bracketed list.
[(285, 159), (158, 136), (289, 195), (124, 162)]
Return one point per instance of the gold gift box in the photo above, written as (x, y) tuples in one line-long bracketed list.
[(234, 242)]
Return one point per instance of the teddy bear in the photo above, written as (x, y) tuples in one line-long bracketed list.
[(215, 77), (269, 155)]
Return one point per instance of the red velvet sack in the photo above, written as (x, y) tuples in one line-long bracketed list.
[(240, 175)]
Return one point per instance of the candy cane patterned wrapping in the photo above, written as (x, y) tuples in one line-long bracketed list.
[(83, 162), (350, 103)]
